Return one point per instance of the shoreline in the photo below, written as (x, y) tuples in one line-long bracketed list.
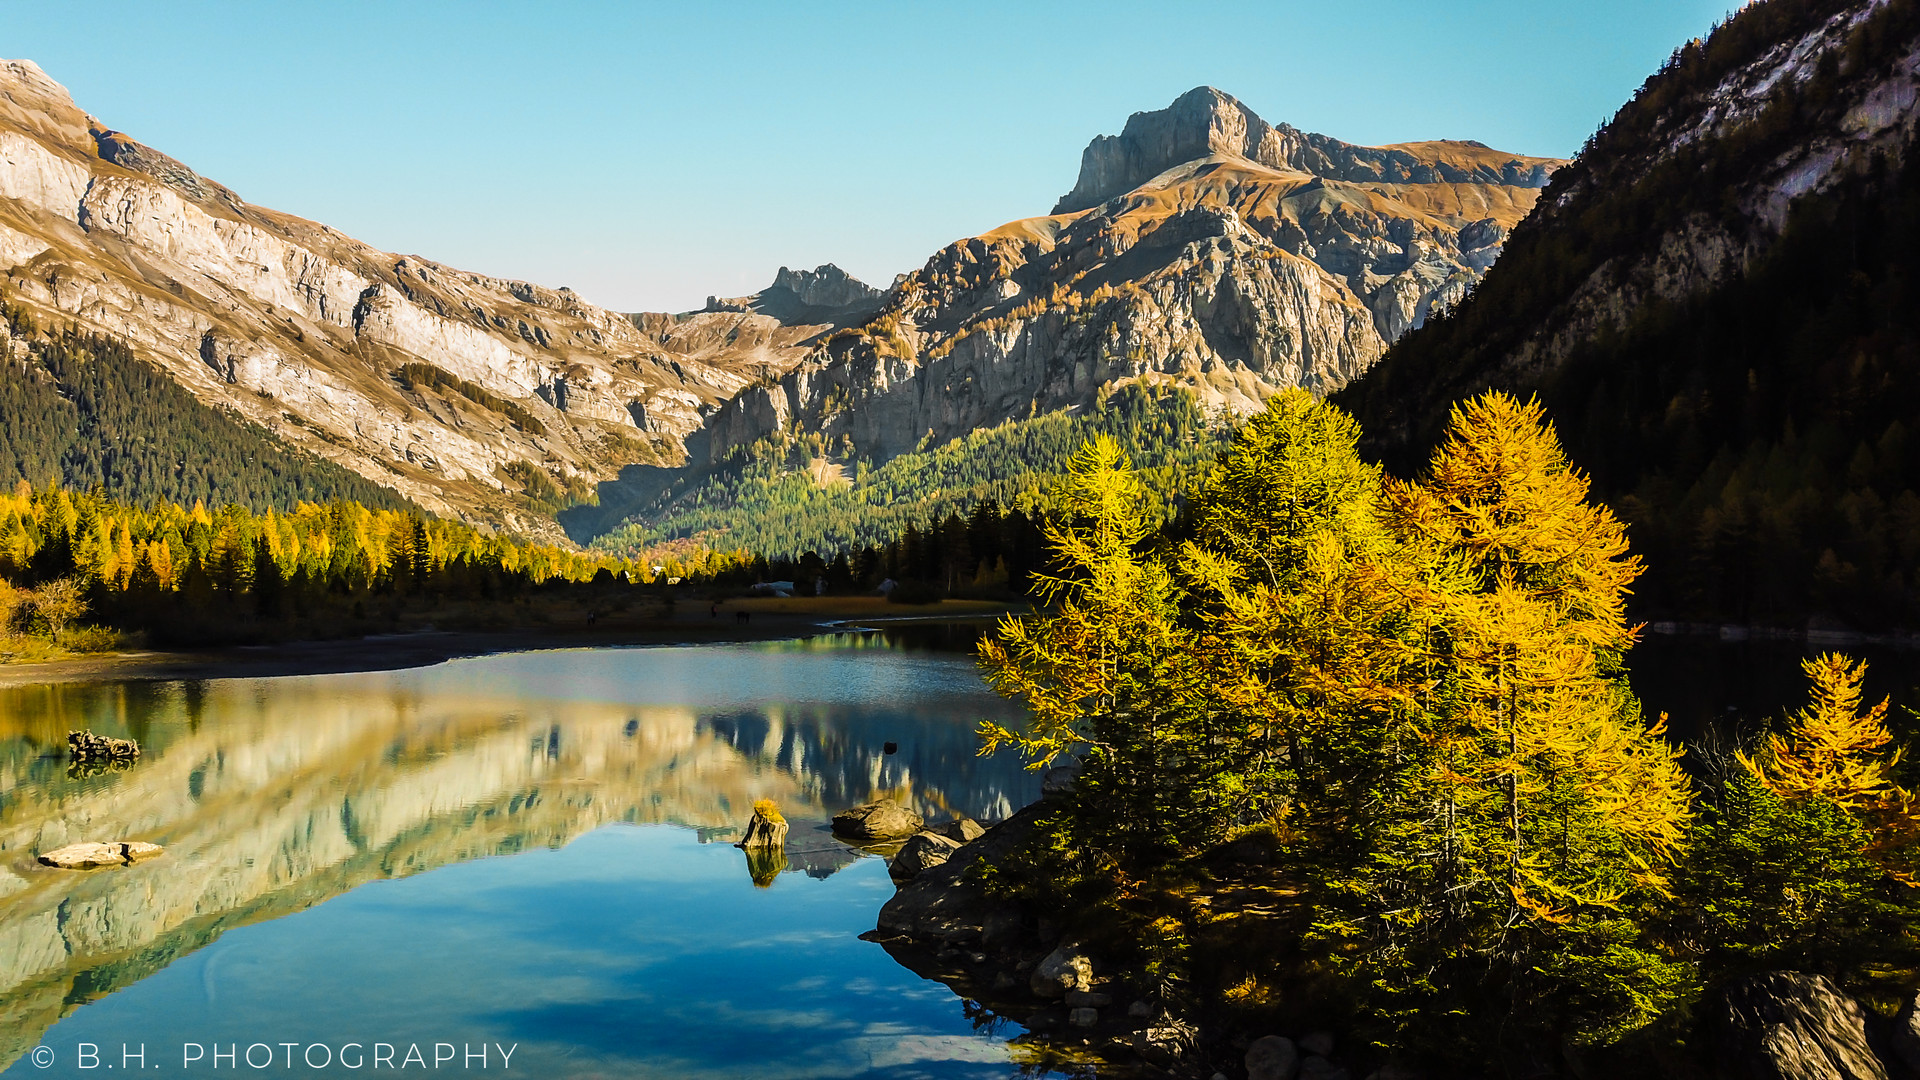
[(769, 619)]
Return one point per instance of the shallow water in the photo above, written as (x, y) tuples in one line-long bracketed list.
[(335, 875)]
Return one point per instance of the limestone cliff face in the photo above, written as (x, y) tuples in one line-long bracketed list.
[(1206, 121), (1202, 247), (299, 328)]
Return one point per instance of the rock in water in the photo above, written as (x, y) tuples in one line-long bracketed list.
[(881, 820), (91, 855), (1272, 1058), (1786, 1025), (923, 851), (961, 830), (1065, 968), (767, 828), (86, 746)]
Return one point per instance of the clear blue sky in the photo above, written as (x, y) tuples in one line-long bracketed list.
[(651, 154)]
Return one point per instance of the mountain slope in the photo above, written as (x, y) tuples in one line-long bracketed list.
[(1201, 249), (301, 329), (84, 413), (1715, 302)]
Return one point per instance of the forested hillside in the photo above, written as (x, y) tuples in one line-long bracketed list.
[(82, 412), (1732, 356), (793, 493)]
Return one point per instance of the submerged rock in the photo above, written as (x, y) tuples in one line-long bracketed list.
[(88, 856), (880, 820)]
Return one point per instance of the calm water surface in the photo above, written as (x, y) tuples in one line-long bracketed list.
[(526, 852)]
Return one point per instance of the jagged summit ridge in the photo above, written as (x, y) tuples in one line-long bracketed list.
[(825, 286), (825, 294), (1205, 121)]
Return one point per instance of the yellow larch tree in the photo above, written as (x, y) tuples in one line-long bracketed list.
[(1533, 579)]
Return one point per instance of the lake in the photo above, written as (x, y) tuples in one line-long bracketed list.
[(523, 861)]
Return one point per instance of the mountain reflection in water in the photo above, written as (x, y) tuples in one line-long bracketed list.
[(273, 795)]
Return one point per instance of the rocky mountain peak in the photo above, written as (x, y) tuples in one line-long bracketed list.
[(825, 286), (1200, 122), (825, 295), (1204, 122), (31, 100)]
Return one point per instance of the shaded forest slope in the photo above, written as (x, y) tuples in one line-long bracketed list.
[(1716, 301)]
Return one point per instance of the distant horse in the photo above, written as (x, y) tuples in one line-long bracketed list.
[(741, 616)]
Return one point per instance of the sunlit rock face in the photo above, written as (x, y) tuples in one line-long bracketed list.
[(272, 796), (1202, 247), (301, 329)]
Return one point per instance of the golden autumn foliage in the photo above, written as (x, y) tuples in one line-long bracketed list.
[(1531, 578), (1415, 686), (1834, 752), (1831, 750)]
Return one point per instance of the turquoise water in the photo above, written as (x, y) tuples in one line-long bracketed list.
[(524, 855)]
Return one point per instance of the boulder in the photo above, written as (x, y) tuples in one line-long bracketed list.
[(961, 830), (1083, 1017), (923, 852), (877, 821), (1088, 999), (1319, 1043), (1272, 1058), (1786, 1025), (88, 856), (1065, 968), (939, 905)]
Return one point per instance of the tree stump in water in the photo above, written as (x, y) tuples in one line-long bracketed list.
[(767, 829)]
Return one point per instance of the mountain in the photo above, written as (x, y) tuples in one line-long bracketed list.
[(303, 331), (823, 295), (1201, 249), (1716, 302)]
